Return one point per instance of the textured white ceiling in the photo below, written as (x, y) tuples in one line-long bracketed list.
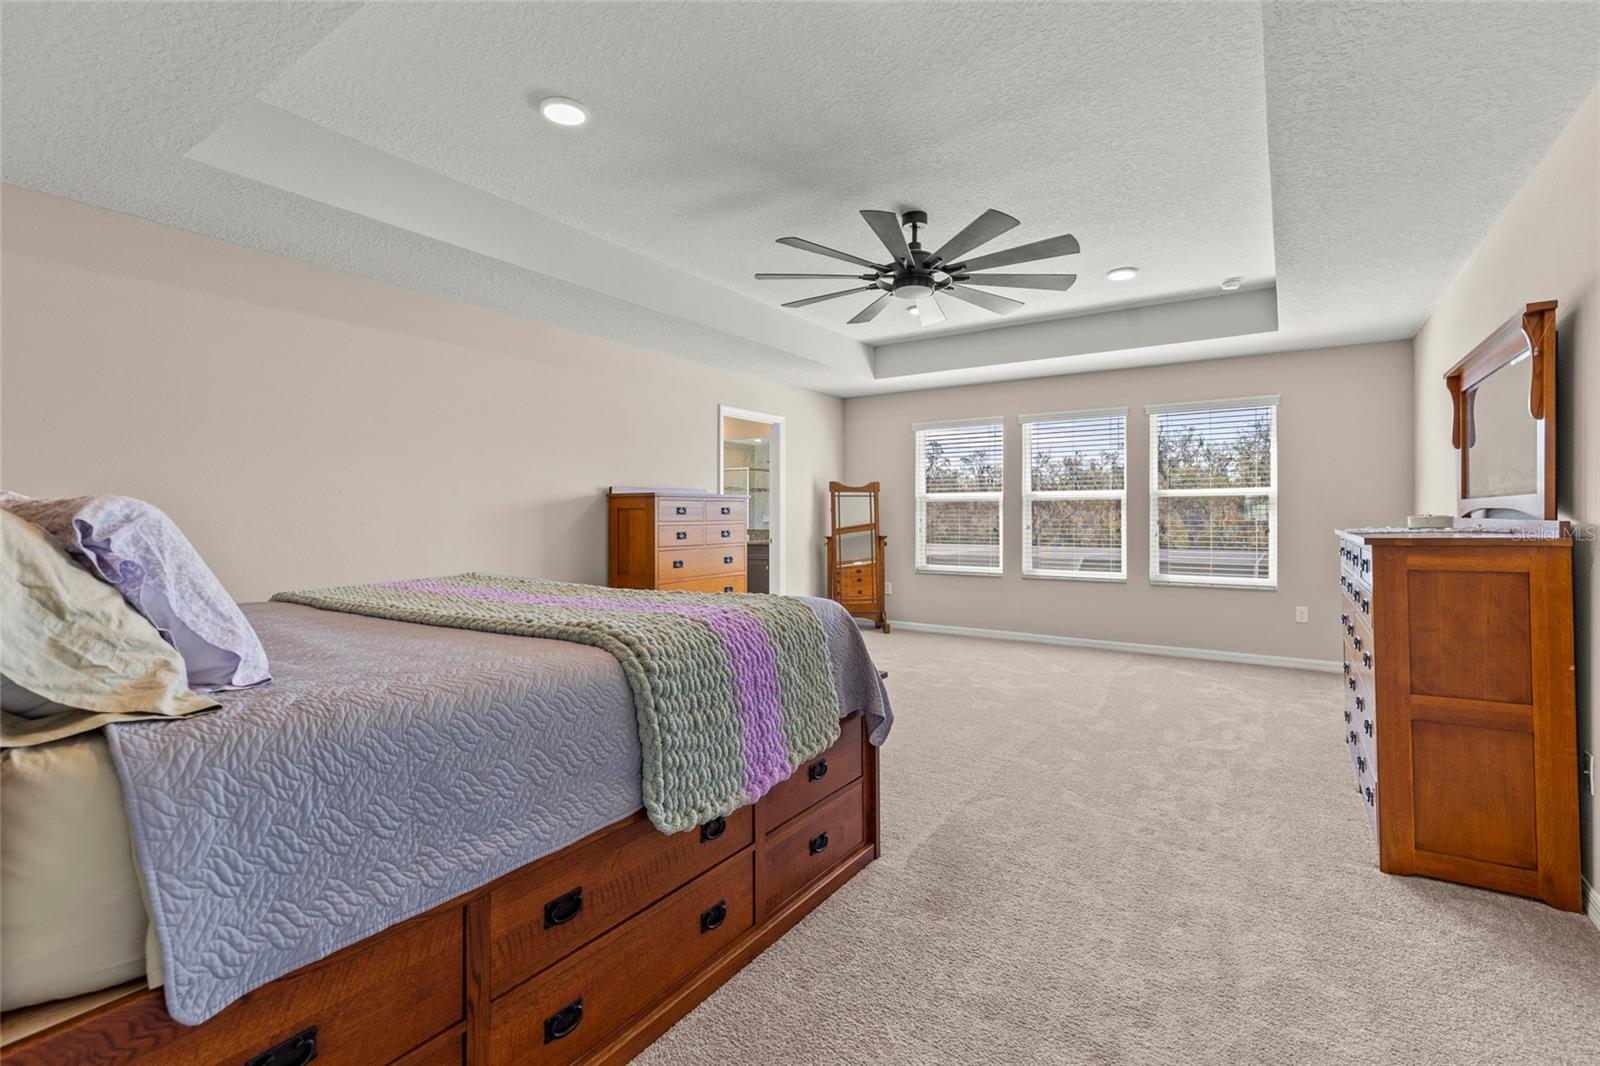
[(1352, 154), (717, 128)]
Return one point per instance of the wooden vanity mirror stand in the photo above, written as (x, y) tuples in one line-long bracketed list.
[(855, 551)]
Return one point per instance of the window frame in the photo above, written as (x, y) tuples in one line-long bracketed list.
[(922, 495), (1030, 494), (1157, 494)]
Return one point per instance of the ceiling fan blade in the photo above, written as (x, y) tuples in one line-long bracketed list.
[(830, 296), (822, 249), (1000, 305), (886, 224), (869, 312), (777, 277), (981, 230), (1066, 244), (929, 313), (1058, 282)]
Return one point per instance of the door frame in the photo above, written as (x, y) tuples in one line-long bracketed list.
[(775, 484)]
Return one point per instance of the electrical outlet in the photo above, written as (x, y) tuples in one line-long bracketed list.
[(1302, 614), (888, 588), (1587, 773)]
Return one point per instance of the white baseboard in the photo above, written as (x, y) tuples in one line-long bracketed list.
[(1591, 899), (1324, 665)]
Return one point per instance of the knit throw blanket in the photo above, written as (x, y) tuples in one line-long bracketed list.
[(731, 692)]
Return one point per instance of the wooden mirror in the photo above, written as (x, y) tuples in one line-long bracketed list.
[(1503, 426), (855, 551)]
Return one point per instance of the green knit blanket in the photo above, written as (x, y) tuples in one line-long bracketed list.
[(731, 692)]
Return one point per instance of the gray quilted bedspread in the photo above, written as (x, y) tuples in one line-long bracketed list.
[(387, 768)]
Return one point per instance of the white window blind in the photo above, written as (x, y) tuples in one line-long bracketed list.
[(1214, 493), (1074, 494), (960, 478)]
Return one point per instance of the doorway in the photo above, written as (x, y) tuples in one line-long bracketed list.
[(750, 464)]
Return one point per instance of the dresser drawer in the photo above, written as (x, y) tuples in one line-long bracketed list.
[(816, 780), (722, 533), (546, 913), (680, 536), (570, 1008), (811, 844), (720, 583), (728, 512), (676, 565), (680, 510)]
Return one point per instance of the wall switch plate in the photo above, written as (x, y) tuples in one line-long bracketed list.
[(1302, 614), (888, 588)]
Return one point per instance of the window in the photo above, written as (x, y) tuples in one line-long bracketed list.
[(1214, 493), (960, 476), (1074, 495)]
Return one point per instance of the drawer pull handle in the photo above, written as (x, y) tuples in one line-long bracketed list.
[(713, 829), (726, 533), (1366, 659), (727, 559), (1352, 683), (1361, 704), (683, 534), (1344, 619), (298, 1050), (1361, 763), (1369, 797), (713, 918), (727, 588), (727, 510), (1367, 726), (1351, 737), (680, 510), (563, 1021), (1358, 643), (818, 771), (677, 564), (819, 843), (1347, 667), (563, 909), (1347, 716), (1349, 627)]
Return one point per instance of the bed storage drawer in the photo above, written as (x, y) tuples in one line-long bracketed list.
[(371, 1002), (537, 917), (816, 780), (811, 845), (567, 1010)]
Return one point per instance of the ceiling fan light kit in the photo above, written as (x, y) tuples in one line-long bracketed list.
[(917, 277)]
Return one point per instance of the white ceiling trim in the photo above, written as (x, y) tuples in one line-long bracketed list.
[(267, 144)]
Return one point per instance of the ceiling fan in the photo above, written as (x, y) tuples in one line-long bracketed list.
[(915, 276)]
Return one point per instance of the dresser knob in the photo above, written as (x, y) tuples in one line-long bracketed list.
[(713, 829), (727, 510), (563, 1021), (726, 533), (819, 843), (680, 510), (715, 916), (677, 564), (563, 909), (727, 559), (683, 534)]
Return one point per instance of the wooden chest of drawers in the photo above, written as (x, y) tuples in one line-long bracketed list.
[(1459, 706), (676, 539)]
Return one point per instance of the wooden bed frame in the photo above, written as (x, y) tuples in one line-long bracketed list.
[(587, 955)]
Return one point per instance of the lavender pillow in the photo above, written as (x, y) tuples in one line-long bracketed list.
[(136, 548)]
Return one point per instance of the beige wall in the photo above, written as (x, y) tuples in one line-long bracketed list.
[(1545, 246), (1344, 459), (307, 427)]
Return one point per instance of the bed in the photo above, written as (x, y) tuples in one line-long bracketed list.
[(482, 888)]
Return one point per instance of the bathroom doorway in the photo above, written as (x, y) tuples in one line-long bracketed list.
[(750, 464)]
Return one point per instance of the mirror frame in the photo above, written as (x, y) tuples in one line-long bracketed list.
[(1534, 330)]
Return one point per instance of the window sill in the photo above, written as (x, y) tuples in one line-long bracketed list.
[(1180, 584), (1104, 579)]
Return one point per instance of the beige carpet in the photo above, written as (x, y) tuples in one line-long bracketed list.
[(1105, 858)]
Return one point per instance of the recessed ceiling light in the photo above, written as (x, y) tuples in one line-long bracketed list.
[(1122, 274), (563, 112), (1232, 284)]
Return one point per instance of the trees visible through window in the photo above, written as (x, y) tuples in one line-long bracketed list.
[(960, 478), (1074, 494)]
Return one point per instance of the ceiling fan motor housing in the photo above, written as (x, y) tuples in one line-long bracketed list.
[(914, 285)]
